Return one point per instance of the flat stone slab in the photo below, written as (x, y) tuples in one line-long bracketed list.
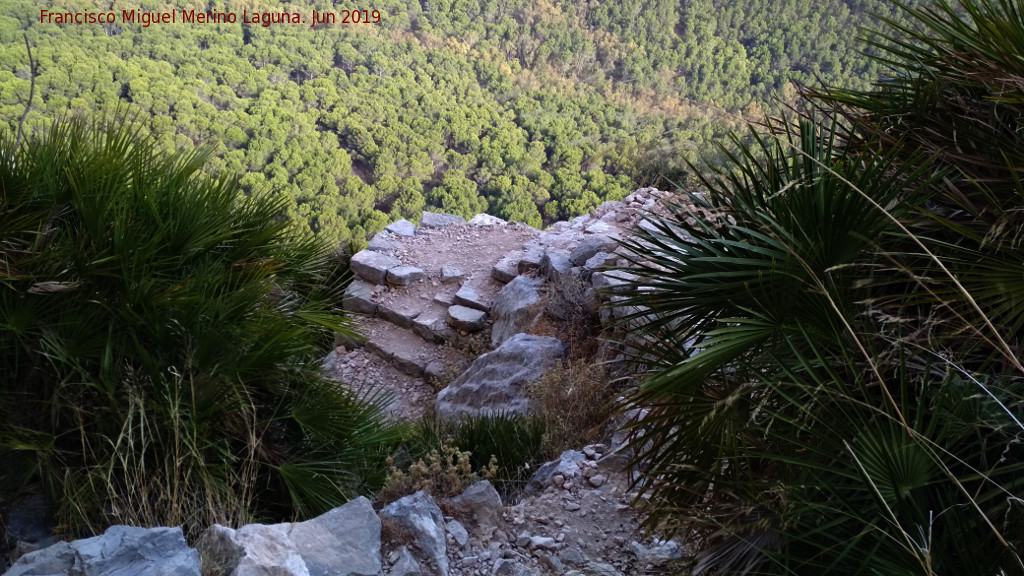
[(432, 327), (383, 242), (373, 266), (451, 274), (402, 228), (404, 275), (359, 298), (470, 297), (468, 319), (440, 220), (400, 314)]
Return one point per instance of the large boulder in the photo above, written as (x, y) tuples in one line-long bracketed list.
[(342, 542), (516, 308), (419, 514), (496, 381), (120, 551), (467, 319)]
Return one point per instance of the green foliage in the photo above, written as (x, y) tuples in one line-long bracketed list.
[(507, 443), (561, 103), (159, 337), (832, 329)]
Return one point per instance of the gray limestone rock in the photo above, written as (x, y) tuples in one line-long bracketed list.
[(120, 551), (496, 381), (589, 246), (601, 569), (383, 242), (342, 542), (373, 266), (567, 466), (657, 553), (440, 220), (404, 275), (508, 267), (402, 228), (509, 567), (432, 326), (479, 506), (533, 258), (451, 274), (516, 308), (556, 264), (609, 280), (434, 370), (470, 297), (485, 220), (407, 361), (359, 298), (445, 298), (419, 514), (465, 318), (399, 315), (597, 261), (458, 533), (406, 565), (572, 555)]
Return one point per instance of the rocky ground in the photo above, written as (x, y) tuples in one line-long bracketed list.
[(578, 520), (449, 316)]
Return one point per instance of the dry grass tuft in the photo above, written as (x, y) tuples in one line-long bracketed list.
[(574, 400)]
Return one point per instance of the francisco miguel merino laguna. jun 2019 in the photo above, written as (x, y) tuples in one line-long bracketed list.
[(265, 19)]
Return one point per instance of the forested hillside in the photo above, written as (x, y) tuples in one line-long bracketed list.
[(531, 110)]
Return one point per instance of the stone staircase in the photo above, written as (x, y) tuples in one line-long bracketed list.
[(422, 294)]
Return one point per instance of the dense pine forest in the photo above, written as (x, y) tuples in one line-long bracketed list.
[(532, 111)]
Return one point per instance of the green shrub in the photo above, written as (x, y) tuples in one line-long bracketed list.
[(508, 445), (159, 338)]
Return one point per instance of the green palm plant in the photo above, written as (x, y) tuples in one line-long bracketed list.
[(803, 410), (956, 90), (159, 336)]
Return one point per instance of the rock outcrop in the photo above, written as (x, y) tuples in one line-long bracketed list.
[(419, 515), (120, 551), (496, 381), (342, 542)]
